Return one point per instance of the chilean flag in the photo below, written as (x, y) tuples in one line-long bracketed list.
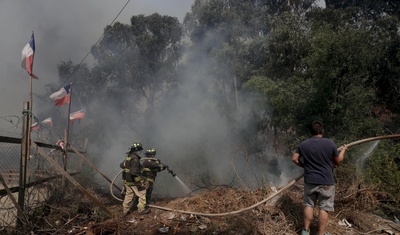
[(28, 54), (35, 126), (48, 121), (61, 144), (62, 96), (77, 115)]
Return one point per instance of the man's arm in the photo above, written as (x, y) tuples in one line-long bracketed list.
[(339, 159), (296, 160)]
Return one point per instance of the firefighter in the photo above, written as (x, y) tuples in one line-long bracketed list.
[(134, 183), (150, 167)]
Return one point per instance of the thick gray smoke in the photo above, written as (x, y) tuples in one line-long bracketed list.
[(197, 141), (190, 134), (64, 30)]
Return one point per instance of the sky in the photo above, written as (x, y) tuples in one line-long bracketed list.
[(64, 30)]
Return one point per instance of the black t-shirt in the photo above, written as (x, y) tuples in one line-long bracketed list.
[(318, 154)]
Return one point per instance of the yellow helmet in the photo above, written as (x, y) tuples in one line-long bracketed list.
[(136, 146), (151, 152)]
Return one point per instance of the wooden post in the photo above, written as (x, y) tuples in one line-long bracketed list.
[(66, 135), (25, 145), (20, 212), (66, 138), (71, 179), (84, 147), (83, 158), (65, 155)]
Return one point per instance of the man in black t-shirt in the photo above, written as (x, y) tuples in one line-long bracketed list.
[(318, 155)]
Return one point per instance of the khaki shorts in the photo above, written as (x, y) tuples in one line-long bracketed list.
[(324, 195)]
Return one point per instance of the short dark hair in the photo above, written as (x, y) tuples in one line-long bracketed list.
[(316, 128)]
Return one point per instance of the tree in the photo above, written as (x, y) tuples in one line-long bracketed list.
[(321, 71), (381, 28), (143, 56), (382, 169), (387, 64), (218, 30), (372, 8), (139, 61)]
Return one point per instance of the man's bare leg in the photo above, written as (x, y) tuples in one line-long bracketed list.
[(322, 221), (308, 217)]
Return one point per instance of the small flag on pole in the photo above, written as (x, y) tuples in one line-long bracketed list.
[(61, 144), (62, 96), (28, 53), (48, 121), (35, 126), (77, 115)]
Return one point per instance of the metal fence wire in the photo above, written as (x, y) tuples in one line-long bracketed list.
[(40, 175)]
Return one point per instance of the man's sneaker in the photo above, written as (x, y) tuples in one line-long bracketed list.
[(145, 211), (131, 220), (305, 232)]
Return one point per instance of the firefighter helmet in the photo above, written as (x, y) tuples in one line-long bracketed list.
[(136, 146), (151, 152)]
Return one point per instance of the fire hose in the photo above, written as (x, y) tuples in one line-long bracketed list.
[(284, 188)]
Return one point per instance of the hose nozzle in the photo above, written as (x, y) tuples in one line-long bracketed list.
[(170, 171)]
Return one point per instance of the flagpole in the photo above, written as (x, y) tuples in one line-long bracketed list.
[(30, 114), (67, 130), (30, 119)]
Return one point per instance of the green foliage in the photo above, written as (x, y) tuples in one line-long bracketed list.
[(373, 8), (286, 45), (281, 98), (142, 57), (383, 168), (321, 71), (229, 20), (338, 64)]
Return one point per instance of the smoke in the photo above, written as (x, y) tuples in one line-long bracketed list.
[(195, 137), (64, 30), (190, 132)]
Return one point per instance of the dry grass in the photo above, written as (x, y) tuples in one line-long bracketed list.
[(265, 219), (70, 212)]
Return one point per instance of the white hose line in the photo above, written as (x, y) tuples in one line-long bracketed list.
[(238, 211), (111, 187)]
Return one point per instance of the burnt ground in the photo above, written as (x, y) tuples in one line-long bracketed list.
[(282, 215), (72, 213)]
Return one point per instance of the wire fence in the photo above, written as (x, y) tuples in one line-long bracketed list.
[(41, 177)]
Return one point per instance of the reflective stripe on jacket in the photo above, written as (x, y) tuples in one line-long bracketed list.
[(131, 168), (150, 167)]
